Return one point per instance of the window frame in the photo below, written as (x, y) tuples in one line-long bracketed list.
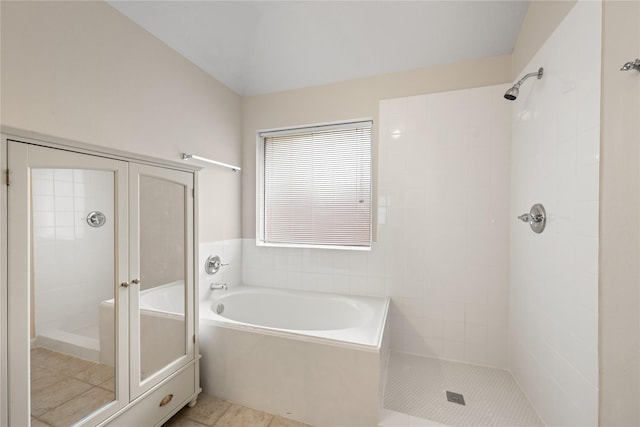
[(260, 181)]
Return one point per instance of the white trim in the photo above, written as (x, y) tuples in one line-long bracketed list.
[(35, 138), (302, 246), (4, 403), (364, 123)]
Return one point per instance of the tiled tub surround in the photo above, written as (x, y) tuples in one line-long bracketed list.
[(320, 377), (442, 245), (554, 275)]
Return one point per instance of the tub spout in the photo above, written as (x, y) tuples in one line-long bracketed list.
[(217, 286)]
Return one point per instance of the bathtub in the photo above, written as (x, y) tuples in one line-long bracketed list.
[(167, 299), (163, 323), (313, 357)]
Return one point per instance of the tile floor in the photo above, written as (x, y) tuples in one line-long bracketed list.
[(65, 388), (211, 411), (390, 418), (417, 386)]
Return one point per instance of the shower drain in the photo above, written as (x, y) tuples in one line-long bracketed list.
[(455, 398)]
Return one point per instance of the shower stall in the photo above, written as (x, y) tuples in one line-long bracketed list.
[(487, 289), (73, 247)]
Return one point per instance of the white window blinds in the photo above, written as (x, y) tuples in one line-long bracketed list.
[(316, 186)]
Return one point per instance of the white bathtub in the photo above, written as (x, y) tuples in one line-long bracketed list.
[(314, 357), (161, 319), (167, 299)]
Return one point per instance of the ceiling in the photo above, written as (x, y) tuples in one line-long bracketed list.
[(258, 47)]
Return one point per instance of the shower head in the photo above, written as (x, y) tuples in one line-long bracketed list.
[(512, 93)]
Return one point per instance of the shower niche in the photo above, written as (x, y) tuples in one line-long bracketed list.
[(94, 242)]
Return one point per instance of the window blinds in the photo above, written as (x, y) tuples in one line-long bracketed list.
[(317, 186)]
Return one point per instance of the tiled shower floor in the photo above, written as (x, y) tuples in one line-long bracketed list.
[(417, 386)]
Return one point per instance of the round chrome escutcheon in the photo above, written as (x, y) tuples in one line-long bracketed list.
[(96, 219)]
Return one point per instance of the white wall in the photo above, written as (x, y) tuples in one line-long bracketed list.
[(543, 17), (73, 262), (350, 100), (554, 275), (442, 249), (81, 70)]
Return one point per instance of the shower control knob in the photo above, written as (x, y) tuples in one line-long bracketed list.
[(213, 264), (537, 218)]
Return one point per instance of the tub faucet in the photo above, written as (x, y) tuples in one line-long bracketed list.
[(217, 286)]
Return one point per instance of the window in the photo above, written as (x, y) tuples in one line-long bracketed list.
[(314, 186)]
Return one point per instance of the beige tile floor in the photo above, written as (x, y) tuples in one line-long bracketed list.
[(65, 388), (213, 412)]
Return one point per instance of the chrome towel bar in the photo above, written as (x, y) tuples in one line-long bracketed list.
[(204, 159)]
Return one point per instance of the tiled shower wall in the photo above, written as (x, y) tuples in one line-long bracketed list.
[(73, 262), (554, 275), (442, 248)]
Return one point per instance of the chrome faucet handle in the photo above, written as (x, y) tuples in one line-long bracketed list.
[(537, 218), (213, 264)]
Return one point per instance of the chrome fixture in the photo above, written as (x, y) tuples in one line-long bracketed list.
[(634, 65), (537, 218), (96, 219), (218, 286), (213, 264), (514, 90), (213, 162), (220, 308)]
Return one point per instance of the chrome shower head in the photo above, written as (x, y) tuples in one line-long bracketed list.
[(514, 91)]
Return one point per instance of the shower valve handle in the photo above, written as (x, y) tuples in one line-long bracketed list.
[(536, 217), (526, 217), (213, 264)]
